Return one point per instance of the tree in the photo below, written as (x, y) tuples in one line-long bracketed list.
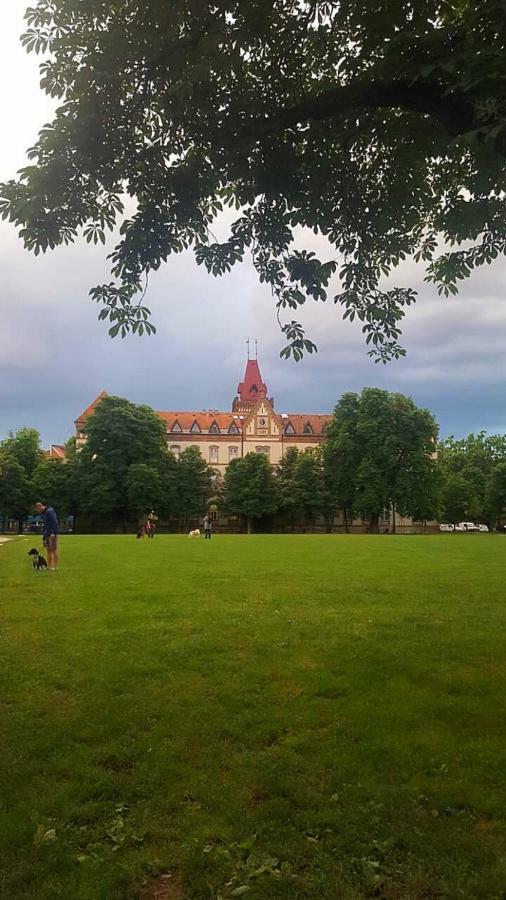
[(24, 446), (16, 494), (119, 435), (194, 485), (474, 459), (20, 455), (496, 494), (144, 488), (249, 489), (56, 482), (379, 454), (308, 487), (339, 457), (382, 126), (287, 504), (459, 500)]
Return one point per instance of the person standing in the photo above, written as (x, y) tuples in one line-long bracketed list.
[(208, 525), (50, 532), (151, 525)]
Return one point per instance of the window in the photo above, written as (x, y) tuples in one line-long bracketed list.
[(233, 429), (214, 429), (175, 449), (213, 454), (265, 450), (308, 429), (195, 427), (289, 429), (176, 426), (232, 453), (213, 512)]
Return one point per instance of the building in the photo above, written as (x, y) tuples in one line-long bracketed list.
[(252, 425)]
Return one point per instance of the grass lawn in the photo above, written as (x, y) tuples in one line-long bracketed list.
[(270, 716)]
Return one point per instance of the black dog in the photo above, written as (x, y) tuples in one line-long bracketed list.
[(38, 561)]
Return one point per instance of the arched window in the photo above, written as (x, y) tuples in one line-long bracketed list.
[(233, 453), (213, 454), (175, 449), (265, 450)]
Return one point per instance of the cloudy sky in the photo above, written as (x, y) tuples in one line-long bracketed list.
[(55, 357)]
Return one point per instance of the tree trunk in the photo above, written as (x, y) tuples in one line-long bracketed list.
[(249, 525), (374, 524), (394, 530), (346, 523), (20, 525)]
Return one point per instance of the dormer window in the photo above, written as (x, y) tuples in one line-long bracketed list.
[(233, 429), (289, 429), (214, 429), (195, 429), (176, 426), (308, 429)]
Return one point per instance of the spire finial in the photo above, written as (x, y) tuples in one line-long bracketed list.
[(247, 344), (256, 349)]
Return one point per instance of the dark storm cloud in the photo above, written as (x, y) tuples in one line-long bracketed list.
[(55, 357)]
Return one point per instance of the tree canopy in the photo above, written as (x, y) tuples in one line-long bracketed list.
[(249, 488), (380, 125), (20, 457), (379, 455)]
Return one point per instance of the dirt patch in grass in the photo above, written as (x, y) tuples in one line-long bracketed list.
[(164, 887)]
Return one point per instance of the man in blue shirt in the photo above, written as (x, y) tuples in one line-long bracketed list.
[(50, 531)]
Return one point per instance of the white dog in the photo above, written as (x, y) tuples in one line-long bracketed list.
[(195, 533)]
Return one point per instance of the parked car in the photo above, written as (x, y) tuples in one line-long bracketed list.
[(483, 528), (447, 527), (467, 526)]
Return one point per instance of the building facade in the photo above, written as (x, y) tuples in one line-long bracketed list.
[(252, 426)]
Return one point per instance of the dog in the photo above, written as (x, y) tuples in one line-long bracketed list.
[(38, 561), (195, 533)]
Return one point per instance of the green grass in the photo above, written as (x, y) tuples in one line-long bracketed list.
[(302, 716)]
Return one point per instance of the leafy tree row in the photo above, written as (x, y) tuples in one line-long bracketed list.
[(473, 479), (379, 456), (123, 470)]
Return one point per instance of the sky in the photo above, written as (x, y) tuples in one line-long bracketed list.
[(55, 357)]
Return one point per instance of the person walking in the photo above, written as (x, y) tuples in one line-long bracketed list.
[(208, 525), (50, 533)]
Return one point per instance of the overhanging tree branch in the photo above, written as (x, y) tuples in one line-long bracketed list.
[(453, 112)]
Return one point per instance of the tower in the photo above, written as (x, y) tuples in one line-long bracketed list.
[(251, 388)]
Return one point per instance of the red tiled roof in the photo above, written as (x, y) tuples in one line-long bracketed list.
[(89, 409), (300, 420), (204, 419), (57, 451)]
